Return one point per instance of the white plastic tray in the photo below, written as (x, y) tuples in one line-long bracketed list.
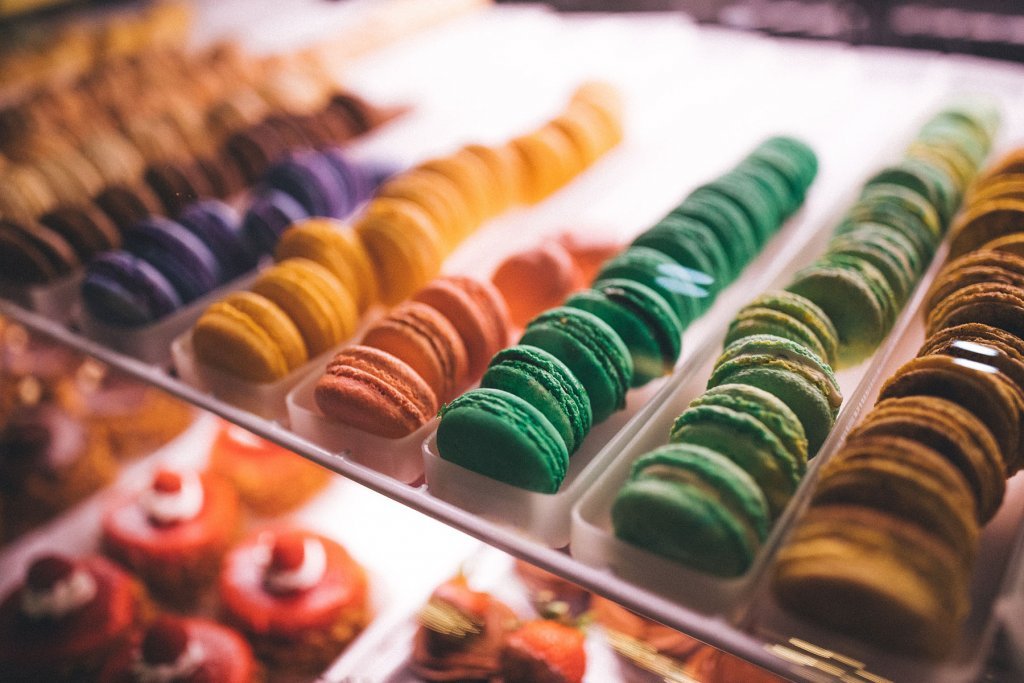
[(400, 459), (58, 300), (152, 343)]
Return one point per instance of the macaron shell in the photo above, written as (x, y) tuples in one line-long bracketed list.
[(439, 198), (323, 311), (990, 303), (424, 339), (374, 391), (250, 337), (403, 245), (984, 222), (122, 289), (84, 227), (33, 253), (523, 449), (180, 256), (754, 320)]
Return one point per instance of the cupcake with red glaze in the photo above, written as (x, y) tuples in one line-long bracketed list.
[(49, 461), (136, 418), (461, 634), (258, 467), (299, 597), (183, 650), (175, 532), (67, 617)]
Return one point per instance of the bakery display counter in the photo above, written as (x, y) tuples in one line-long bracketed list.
[(696, 101)]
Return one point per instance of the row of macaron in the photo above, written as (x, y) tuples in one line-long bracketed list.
[(574, 364), (45, 238), (165, 264), (328, 276), (739, 452), (905, 499)]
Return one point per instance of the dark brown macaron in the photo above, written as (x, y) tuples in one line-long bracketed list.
[(290, 131), (359, 113), (87, 229), (177, 184), (252, 150), (906, 479), (127, 204), (974, 268), (969, 384), (31, 254), (224, 179), (991, 303), (1008, 343), (950, 430), (984, 222)]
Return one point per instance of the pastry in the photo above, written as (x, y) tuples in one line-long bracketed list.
[(125, 290), (785, 314), (299, 598), (188, 649), (524, 449), (535, 280), (729, 225), (476, 310), (683, 290), (177, 185), (67, 617), (692, 504), (249, 336), (693, 245), (424, 339), (321, 308), (32, 253), (639, 639), (376, 392), (256, 467), (127, 203), (544, 651), (219, 227), (437, 196), (544, 382), (315, 183), (549, 160), (404, 246), (589, 252), (84, 227), (461, 634), (976, 267), (335, 246), (983, 222), (591, 350), (270, 214), (642, 319), (181, 257), (174, 532), (990, 303), (789, 371)]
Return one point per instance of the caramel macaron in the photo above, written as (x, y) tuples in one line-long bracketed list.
[(974, 268), (984, 222), (992, 303)]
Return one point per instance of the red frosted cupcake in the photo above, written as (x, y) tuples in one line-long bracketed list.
[(299, 597), (258, 467), (182, 650), (66, 618), (175, 532)]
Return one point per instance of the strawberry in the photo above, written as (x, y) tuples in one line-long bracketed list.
[(544, 651)]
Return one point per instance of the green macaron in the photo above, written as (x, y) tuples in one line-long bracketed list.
[(695, 506), (893, 264), (747, 442), (767, 408), (795, 149), (758, 211), (783, 167), (754, 320), (924, 179), (686, 291), (501, 436), (544, 382), (691, 244), (886, 239), (897, 217), (730, 225), (852, 305), (642, 319), (908, 200), (591, 349), (803, 320)]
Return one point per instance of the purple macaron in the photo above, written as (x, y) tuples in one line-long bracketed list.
[(180, 256), (270, 214), (125, 290), (220, 228)]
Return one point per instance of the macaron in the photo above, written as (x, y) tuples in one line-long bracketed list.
[(31, 253), (309, 178), (643, 320), (851, 305), (906, 479), (506, 171), (875, 577), (84, 227), (476, 310), (695, 506), (591, 349), (469, 175), (875, 279), (336, 247), (268, 216), (967, 383), (923, 179), (523, 448), (219, 227), (760, 318), (321, 308), (691, 244), (953, 432), (975, 267), (179, 255), (991, 303), (404, 246), (249, 336), (758, 211), (375, 392), (897, 217), (789, 371), (983, 222), (127, 203), (544, 382), (1010, 244), (536, 279), (882, 238), (123, 289), (686, 292), (424, 339), (176, 184), (548, 160), (729, 224), (746, 441), (439, 197)]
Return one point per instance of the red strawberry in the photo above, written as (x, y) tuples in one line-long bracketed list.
[(544, 651)]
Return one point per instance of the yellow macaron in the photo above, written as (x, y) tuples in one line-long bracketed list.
[(549, 160), (322, 309), (250, 337), (335, 246), (439, 197)]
